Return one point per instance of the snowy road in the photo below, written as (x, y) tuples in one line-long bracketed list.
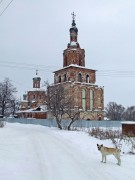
[(31, 152), (37, 154), (56, 159)]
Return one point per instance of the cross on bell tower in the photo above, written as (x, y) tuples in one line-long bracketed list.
[(73, 30), (73, 15)]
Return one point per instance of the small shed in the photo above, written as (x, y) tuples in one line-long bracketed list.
[(128, 128), (39, 112)]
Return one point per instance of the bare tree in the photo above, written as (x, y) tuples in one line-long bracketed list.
[(61, 102), (72, 111), (7, 95), (129, 113), (57, 102), (114, 111), (14, 106)]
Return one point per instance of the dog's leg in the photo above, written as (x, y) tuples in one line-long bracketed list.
[(105, 158), (102, 158), (117, 156), (119, 160)]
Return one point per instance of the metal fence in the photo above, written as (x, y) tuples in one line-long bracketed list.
[(79, 123)]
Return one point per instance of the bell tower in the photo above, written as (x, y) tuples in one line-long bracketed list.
[(73, 54), (36, 81)]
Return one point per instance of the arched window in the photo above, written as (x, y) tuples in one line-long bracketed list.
[(35, 85), (80, 60), (87, 78), (65, 60), (84, 99), (79, 77), (65, 77), (80, 63), (59, 78), (91, 99)]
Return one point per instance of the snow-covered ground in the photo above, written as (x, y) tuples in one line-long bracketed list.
[(33, 152)]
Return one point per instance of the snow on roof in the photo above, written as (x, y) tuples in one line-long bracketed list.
[(75, 65), (37, 89), (73, 49), (128, 122), (42, 108), (73, 43)]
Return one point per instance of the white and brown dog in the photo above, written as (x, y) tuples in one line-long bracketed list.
[(109, 151)]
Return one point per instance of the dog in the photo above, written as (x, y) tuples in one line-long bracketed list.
[(109, 151)]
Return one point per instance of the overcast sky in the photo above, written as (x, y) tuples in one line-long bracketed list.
[(33, 34)]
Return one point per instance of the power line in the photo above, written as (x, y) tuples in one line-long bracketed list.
[(116, 73), (26, 66), (6, 7), (1, 1), (17, 64)]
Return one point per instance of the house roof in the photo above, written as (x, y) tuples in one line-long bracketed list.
[(42, 108)]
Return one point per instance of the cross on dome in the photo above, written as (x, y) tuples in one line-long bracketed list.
[(36, 71), (73, 15)]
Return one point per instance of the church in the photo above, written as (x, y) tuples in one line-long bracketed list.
[(33, 104), (79, 80)]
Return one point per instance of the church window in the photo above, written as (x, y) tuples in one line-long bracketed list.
[(80, 77), (59, 78), (87, 78), (65, 77), (91, 99), (80, 62), (99, 102), (65, 61), (84, 99)]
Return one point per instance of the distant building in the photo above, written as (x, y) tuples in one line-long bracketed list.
[(88, 97), (33, 103)]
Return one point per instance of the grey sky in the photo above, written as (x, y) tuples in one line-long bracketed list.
[(37, 32)]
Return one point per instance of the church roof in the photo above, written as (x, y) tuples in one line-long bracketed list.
[(75, 66)]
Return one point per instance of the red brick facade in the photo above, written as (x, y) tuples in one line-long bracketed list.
[(77, 80), (80, 81), (33, 103)]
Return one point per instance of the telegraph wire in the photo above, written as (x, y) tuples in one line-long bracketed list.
[(26, 66), (1, 1), (5, 7)]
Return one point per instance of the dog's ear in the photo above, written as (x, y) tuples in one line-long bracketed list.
[(97, 145), (101, 144)]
